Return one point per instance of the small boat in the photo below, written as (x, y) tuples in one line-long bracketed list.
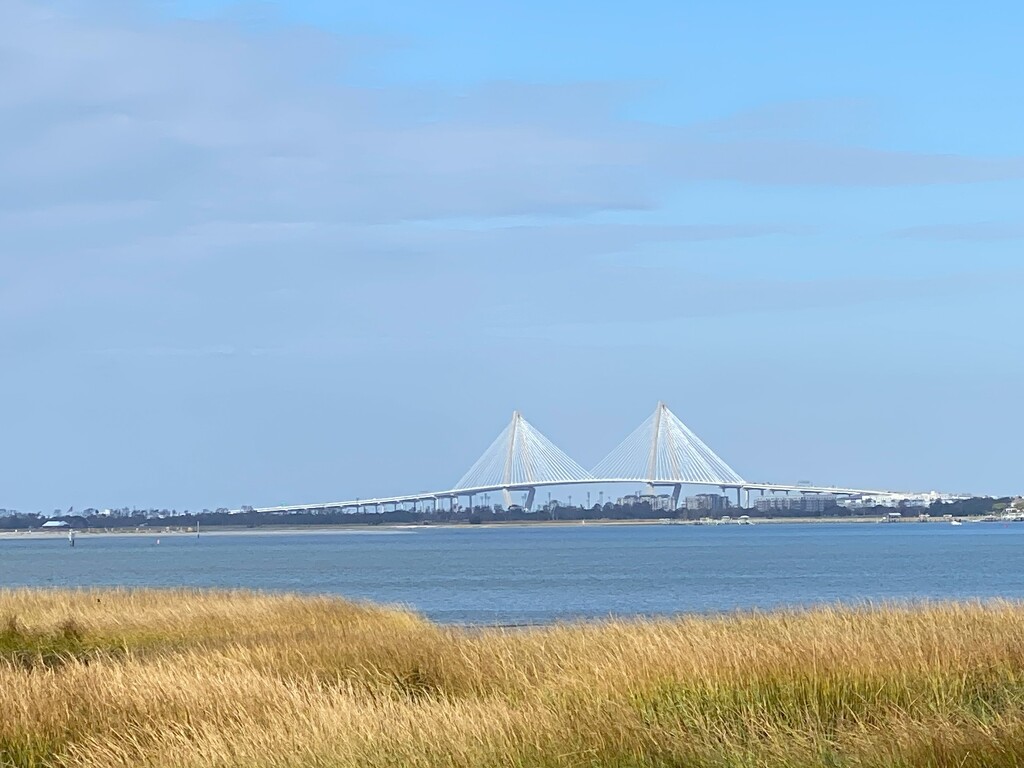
[(955, 522)]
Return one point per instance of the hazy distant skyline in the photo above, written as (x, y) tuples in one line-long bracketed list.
[(280, 253)]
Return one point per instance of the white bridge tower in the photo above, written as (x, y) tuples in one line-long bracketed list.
[(519, 459)]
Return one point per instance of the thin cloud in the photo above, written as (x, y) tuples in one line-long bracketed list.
[(132, 147), (793, 163), (981, 231), (698, 297), (213, 120)]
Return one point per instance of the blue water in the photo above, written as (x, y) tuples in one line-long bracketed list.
[(541, 574)]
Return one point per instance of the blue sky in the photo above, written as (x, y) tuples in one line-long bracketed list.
[(279, 253)]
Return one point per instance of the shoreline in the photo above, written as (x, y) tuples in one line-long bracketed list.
[(405, 527)]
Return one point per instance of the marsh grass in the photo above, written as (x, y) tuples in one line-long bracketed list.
[(160, 679)]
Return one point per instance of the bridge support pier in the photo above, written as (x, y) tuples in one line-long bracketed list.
[(530, 497), (676, 490), (506, 497)]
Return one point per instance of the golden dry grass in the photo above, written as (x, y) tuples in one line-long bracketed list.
[(161, 679)]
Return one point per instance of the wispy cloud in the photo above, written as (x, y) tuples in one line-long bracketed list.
[(980, 231), (223, 351), (699, 297), (217, 122), (130, 144), (788, 163)]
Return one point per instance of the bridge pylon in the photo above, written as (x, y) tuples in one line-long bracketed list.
[(520, 458), (663, 451)]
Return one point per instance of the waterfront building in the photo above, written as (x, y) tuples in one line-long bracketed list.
[(707, 502), (808, 503), (659, 503), (912, 500)]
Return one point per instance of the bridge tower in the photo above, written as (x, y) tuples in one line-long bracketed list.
[(663, 451), (519, 459)]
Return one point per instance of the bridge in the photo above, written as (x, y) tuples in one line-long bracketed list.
[(661, 453)]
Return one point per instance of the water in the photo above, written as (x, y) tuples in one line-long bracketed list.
[(526, 575)]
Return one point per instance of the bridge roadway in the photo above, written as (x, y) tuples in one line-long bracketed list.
[(455, 493)]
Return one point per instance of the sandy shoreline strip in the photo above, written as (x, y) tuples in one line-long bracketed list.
[(406, 528)]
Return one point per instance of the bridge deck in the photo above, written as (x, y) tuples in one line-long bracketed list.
[(662, 452), (457, 492)]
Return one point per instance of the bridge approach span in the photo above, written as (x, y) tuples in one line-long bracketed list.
[(437, 496)]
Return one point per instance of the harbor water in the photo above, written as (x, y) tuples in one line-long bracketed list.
[(545, 573)]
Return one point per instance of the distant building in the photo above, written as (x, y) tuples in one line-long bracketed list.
[(817, 502), (912, 500), (707, 502), (808, 503), (660, 503), (772, 504)]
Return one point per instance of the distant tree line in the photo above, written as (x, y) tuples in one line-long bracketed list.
[(126, 519)]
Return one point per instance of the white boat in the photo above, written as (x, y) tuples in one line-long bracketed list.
[(955, 522)]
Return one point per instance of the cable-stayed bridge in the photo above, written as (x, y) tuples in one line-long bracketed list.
[(661, 453)]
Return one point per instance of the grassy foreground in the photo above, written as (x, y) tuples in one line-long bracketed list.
[(117, 678)]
